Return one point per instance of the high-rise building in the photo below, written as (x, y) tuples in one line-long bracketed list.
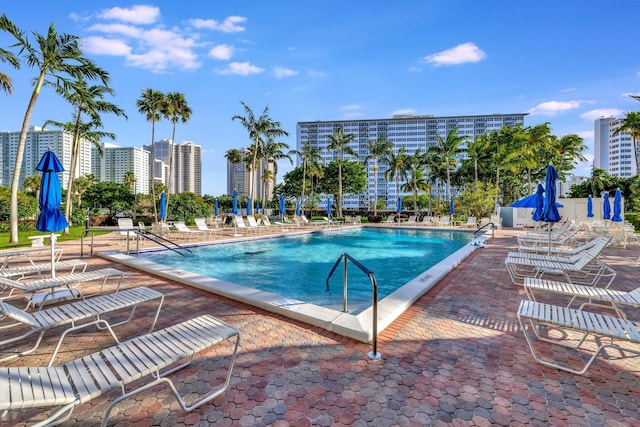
[(38, 141), (408, 132), (238, 178), (117, 161), (186, 174), (613, 150)]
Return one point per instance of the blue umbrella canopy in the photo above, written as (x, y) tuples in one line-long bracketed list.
[(249, 206), (298, 206), (282, 209), (606, 206), (451, 207), (539, 199), (617, 207), (234, 202), (529, 202), (163, 206), (550, 212), (216, 208), (328, 206), (399, 206), (589, 206), (50, 218)]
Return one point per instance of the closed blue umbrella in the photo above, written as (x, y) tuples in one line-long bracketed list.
[(257, 207), (550, 212), (589, 206), (537, 214), (328, 206), (215, 208), (606, 206), (234, 202), (617, 207), (399, 206), (282, 209), (451, 208), (249, 206), (163, 206), (50, 218), (298, 206)]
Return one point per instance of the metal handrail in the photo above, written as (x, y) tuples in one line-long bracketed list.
[(373, 354), (493, 228), (158, 239)]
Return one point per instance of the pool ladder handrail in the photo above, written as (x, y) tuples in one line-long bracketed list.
[(344, 257), (493, 228), (145, 234)]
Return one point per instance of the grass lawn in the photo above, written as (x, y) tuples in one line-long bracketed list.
[(75, 233)]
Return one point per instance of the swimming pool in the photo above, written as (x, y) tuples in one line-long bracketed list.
[(296, 267), (356, 326)]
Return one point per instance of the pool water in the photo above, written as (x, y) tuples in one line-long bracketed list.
[(297, 267)]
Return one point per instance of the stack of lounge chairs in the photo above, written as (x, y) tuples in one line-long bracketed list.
[(131, 366), (569, 300)]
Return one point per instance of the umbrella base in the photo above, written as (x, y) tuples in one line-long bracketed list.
[(45, 298)]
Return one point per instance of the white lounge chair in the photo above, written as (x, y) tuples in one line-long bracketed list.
[(267, 222), (306, 221), (472, 222), (186, 232), (54, 286), (147, 360), (78, 314), (202, 226), (427, 220), (616, 330), (29, 255), (33, 269), (127, 229), (391, 219), (253, 224), (412, 220), (444, 221)]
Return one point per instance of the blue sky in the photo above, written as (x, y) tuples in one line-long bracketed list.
[(563, 62)]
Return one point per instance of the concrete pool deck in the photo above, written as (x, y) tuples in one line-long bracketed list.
[(457, 356)]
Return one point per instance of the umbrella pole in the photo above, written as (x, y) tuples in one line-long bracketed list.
[(53, 265)]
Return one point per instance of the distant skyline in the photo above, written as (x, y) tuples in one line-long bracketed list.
[(566, 63)]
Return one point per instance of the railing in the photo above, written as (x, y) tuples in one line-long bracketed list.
[(149, 235), (493, 228), (374, 354)]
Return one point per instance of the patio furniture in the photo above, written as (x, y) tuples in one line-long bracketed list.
[(34, 269)]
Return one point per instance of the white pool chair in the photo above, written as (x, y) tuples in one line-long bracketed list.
[(127, 229), (202, 226), (78, 314), (146, 360), (37, 269), (29, 254)]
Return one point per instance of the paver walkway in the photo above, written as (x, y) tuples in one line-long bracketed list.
[(456, 357)]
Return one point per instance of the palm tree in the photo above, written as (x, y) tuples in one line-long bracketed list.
[(152, 104), (233, 156), (396, 163), (600, 181), (87, 100), (631, 124), (32, 184), (6, 83), (130, 181), (81, 185), (476, 149), (310, 155), (56, 56), (416, 177), (378, 149), (339, 142), (176, 109), (263, 126), (271, 152), (449, 148)]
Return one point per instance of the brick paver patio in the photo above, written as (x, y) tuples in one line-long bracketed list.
[(456, 357)]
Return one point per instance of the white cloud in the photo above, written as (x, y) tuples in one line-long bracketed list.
[(221, 51), (569, 89), (466, 52), (415, 69), (229, 25), (240, 68), (403, 112), (117, 29), (350, 107), (586, 134), (137, 14), (602, 112), (551, 108), (282, 72), (105, 46)]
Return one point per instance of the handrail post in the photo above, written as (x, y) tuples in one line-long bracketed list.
[(344, 286)]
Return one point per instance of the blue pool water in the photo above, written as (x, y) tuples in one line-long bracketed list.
[(297, 267)]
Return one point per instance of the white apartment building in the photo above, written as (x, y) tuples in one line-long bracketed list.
[(186, 175), (613, 151), (238, 179), (117, 161), (38, 141), (408, 132)]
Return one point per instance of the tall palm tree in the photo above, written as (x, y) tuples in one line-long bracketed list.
[(130, 181), (339, 142), (176, 109), (55, 56), (449, 148), (90, 101), (378, 149), (152, 104), (310, 155), (416, 176), (396, 167), (6, 84), (271, 152), (476, 149), (600, 181), (233, 156), (631, 124), (263, 126), (32, 184), (81, 185)]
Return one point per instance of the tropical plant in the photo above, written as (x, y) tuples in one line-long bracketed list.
[(270, 152), (258, 128), (448, 149), (233, 156), (396, 167), (130, 181), (108, 195), (631, 124), (378, 149), (353, 181), (339, 142), (32, 184), (176, 109), (6, 84), (55, 56), (310, 155), (152, 103), (416, 180)]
